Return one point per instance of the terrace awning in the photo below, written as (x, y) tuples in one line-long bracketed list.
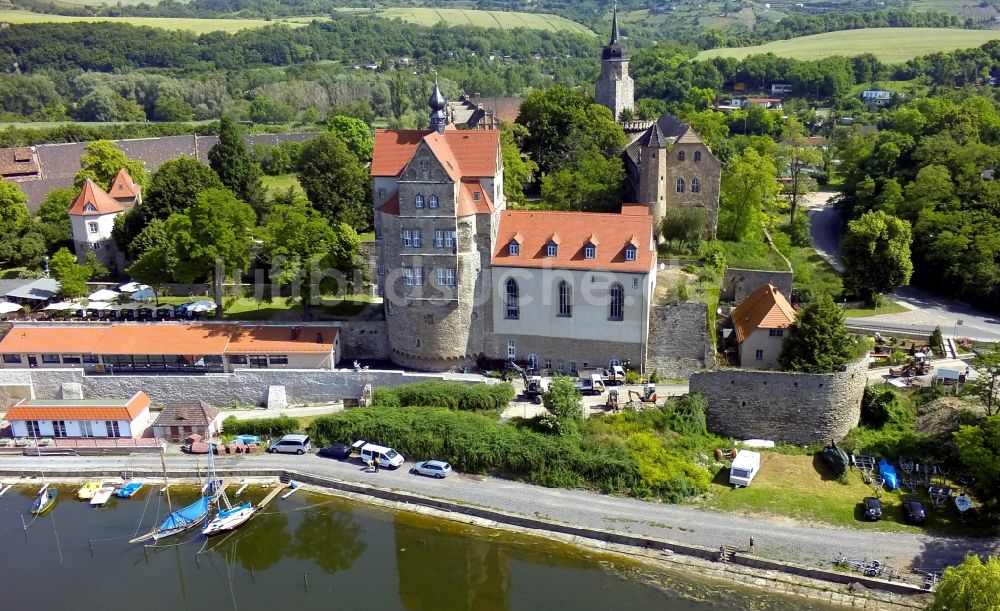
[(63, 305), (103, 295), (132, 287), (98, 305)]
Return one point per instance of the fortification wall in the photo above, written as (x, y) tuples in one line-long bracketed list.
[(364, 340), (679, 344), (738, 284), (795, 407)]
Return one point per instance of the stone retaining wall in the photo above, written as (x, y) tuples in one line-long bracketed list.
[(795, 407), (678, 339), (738, 284)]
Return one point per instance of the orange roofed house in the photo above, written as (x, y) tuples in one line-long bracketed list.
[(464, 278), (760, 324), (80, 417), (142, 348), (92, 218)]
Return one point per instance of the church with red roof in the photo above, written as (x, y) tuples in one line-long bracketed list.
[(466, 280)]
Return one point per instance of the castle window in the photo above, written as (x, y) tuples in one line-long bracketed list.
[(513, 249), (381, 270), (759, 355), (635, 283), (697, 156), (425, 168), (680, 155), (551, 249), (411, 238), (589, 251), (776, 332), (513, 308), (418, 201), (616, 302), (680, 185), (438, 238), (92, 227), (446, 276), (630, 253), (511, 350), (449, 239), (418, 276), (408, 276), (565, 299), (433, 201), (381, 193), (695, 185)]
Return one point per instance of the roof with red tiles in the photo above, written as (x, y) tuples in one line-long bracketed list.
[(80, 409), (475, 154), (123, 187), (19, 162), (278, 340), (571, 231), (765, 308), (473, 199), (93, 200)]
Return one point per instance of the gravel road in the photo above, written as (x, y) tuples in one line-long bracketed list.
[(780, 539)]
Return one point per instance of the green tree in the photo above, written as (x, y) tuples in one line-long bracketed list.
[(14, 221), (593, 182), (986, 385), (978, 448), (973, 585), (563, 402), (301, 247), (356, 134), (154, 256), (72, 276), (172, 108), (518, 170), (265, 110), (212, 237), (798, 159), (175, 185), (101, 162), (53, 222), (335, 181), (876, 254), (238, 171), (818, 341), (749, 189)]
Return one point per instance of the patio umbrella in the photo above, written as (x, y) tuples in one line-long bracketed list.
[(201, 306), (63, 305), (7, 308), (132, 287), (103, 295), (98, 305), (144, 294)]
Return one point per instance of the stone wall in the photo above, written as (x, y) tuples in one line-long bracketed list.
[(367, 340), (247, 386), (795, 407), (679, 344), (738, 284)]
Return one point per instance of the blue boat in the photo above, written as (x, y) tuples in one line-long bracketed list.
[(45, 501), (128, 490), (180, 520), (888, 473)]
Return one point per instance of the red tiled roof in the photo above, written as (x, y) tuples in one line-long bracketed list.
[(535, 229), (391, 205), (18, 162), (169, 339), (442, 152), (468, 204), (474, 153), (92, 200), (82, 410), (123, 186), (765, 308), (278, 340), (635, 209), (52, 340)]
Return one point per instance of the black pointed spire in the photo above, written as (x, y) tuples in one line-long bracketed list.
[(614, 49), (437, 104)]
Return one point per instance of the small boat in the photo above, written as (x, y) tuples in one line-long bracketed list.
[(128, 490), (229, 519), (45, 501), (963, 503), (103, 494), (86, 491)]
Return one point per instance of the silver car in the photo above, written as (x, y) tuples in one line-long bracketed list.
[(432, 468), (291, 444)]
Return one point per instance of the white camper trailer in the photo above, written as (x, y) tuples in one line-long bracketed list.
[(745, 468)]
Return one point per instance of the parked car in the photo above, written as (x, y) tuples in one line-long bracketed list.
[(337, 450), (872, 508), (387, 457), (291, 444), (915, 511), (432, 468)]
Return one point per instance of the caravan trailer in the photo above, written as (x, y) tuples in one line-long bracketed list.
[(745, 468)]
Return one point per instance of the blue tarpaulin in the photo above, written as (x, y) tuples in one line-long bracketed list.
[(888, 474)]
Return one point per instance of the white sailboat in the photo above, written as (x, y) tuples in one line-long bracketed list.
[(47, 496), (228, 517)]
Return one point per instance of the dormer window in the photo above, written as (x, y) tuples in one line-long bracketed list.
[(513, 249), (418, 201), (89, 208), (589, 251), (630, 253), (551, 249), (475, 196)]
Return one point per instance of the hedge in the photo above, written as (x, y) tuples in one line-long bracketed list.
[(453, 395), (265, 427)]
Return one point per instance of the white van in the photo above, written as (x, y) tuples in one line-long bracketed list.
[(745, 468), (387, 457)]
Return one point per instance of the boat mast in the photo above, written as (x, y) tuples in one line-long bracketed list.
[(166, 484)]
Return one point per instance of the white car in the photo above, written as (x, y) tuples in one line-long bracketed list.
[(432, 468)]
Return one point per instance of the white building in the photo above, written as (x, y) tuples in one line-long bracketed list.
[(876, 96), (81, 418), (760, 323), (92, 217)]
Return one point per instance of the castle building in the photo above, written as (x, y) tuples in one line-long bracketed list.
[(464, 278), (92, 218), (615, 88)]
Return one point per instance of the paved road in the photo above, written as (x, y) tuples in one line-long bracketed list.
[(825, 227), (779, 539)]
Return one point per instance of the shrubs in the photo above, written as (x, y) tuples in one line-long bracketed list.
[(265, 427), (453, 395), (881, 405)]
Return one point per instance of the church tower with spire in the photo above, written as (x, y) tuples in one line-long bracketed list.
[(437, 103), (615, 88)]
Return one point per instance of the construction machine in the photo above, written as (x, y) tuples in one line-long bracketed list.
[(534, 384), (648, 394), (612, 402)]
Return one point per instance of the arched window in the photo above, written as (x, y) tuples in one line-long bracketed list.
[(695, 185), (565, 299), (680, 155), (513, 294), (616, 302), (419, 201), (680, 185), (697, 156), (433, 201)]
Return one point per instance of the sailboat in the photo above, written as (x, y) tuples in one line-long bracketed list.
[(228, 517), (186, 518), (46, 498)]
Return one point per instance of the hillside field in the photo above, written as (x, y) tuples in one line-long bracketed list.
[(486, 19), (198, 26), (891, 45)]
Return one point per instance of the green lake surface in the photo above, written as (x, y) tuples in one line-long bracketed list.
[(314, 551)]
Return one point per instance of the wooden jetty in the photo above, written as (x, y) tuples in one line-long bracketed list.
[(270, 497)]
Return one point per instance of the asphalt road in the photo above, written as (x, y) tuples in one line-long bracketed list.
[(781, 539)]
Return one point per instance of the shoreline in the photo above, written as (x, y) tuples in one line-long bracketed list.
[(742, 570)]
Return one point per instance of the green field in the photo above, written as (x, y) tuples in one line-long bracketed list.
[(485, 19), (198, 26), (888, 44)]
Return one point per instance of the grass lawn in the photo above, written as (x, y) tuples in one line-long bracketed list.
[(889, 308), (812, 273), (802, 488), (891, 45), (198, 26), (249, 309), (485, 19), (281, 183)]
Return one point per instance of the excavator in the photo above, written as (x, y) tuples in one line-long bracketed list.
[(648, 394), (534, 384)]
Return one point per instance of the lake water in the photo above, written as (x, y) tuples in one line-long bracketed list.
[(314, 551)]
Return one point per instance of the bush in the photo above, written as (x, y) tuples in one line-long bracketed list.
[(632, 376), (937, 341), (265, 427), (453, 395), (882, 405), (799, 231)]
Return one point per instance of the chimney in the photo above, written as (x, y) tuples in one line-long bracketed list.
[(296, 332)]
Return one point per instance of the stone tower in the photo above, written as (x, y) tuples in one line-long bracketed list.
[(651, 184), (615, 88)]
